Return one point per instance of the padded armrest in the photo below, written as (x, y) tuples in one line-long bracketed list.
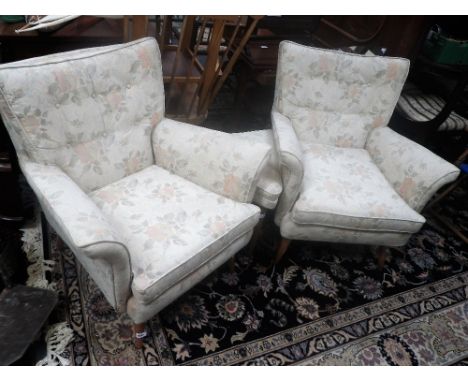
[(81, 224), (217, 161), (415, 172), (290, 157), (70, 208)]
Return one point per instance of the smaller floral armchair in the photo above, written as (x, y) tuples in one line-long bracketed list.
[(149, 206), (346, 176)]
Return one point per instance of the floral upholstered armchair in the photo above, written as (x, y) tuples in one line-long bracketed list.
[(149, 206), (346, 176)]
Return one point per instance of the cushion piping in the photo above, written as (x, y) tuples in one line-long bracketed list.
[(139, 295)]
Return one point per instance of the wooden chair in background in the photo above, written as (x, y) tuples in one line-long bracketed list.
[(198, 54)]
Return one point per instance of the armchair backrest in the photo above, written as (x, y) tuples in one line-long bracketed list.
[(90, 111), (334, 97)]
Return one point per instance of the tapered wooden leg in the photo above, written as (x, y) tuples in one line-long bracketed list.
[(282, 248), (381, 257), (139, 333)]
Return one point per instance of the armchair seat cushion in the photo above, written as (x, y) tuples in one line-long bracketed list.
[(343, 188), (171, 227), (269, 186)]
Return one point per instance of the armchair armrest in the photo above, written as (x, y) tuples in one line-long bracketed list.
[(290, 158), (415, 172), (217, 161), (81, 224)]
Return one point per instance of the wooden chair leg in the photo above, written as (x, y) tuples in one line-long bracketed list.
[(282, 248), (139, 333), (381, 257)]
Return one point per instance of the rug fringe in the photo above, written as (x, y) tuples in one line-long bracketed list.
[(57, 338), (58, 335), (32, 247)]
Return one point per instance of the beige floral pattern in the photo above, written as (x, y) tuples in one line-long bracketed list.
[(269, 187), (89, 112), (224, 163), (71, 207), (334, 97), (343, 188), (415, 172), (170, 226), (83, 226), (81, 123), (291, 163), (347, 177)]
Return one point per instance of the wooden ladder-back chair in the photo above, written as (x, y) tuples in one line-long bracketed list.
[(198, 55)]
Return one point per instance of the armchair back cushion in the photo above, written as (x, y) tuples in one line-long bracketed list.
[(336, 98), (89, 112)]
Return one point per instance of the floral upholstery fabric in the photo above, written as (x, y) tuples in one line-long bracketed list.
[(343, 188), (311, 232), (170, 226), (71, 207), (90, 111), (291, 162), (140, 312), (218, 161), (334, 97), (415, 172), (82, 225), (82, 125), (347, 177), (269, 186)]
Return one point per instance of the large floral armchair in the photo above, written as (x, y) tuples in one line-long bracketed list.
[(346, 176), (149, 206)]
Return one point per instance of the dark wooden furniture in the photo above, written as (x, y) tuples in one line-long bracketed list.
[(198, 54), (451, 83), (399, 36)]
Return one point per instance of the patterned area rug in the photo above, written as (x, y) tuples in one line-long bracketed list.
[(322, 305)]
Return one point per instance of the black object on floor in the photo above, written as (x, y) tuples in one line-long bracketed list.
[(23, 312)]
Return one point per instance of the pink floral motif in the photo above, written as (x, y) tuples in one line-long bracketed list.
[(344, 141), (145, 57), (325, 63), (407, 187), (392, 70), (31, 123), (64, 80), (155, 118), (378, 121), (84, 153), (217, 227), (114, 98), (160, 231), (231, 184), (133, 164)]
